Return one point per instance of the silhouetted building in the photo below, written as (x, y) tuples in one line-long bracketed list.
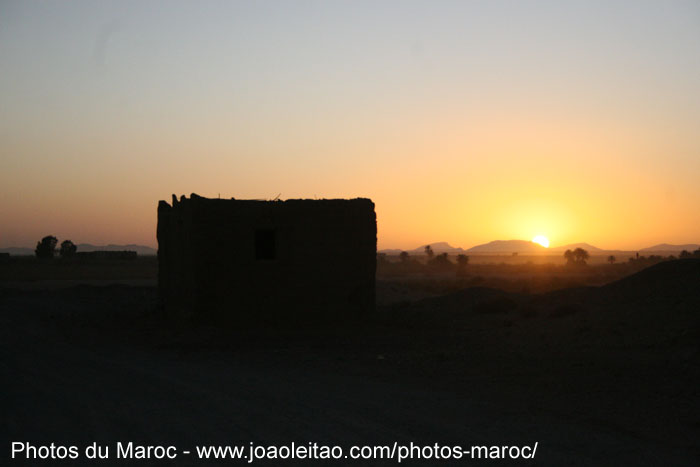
[(269, 260)]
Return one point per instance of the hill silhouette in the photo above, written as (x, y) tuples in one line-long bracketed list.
[(508, 247), (18, 251), (505, 247), (142, 250), (437, 247), (675, 279), (572, 246), (664, 293), (668, 248)]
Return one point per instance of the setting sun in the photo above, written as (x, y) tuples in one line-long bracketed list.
[(542, 240)]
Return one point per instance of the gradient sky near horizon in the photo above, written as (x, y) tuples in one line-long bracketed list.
[(464, 121)]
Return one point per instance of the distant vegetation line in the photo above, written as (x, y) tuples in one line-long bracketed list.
[(430, 262), (141, 250), (519, 247), (497, 247)]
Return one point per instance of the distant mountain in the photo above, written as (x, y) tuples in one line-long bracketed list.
[(439, 247), (142, 250), (17, 251), (572, 246), (524, 247), (507, 247), (667, 248), (390, 251)]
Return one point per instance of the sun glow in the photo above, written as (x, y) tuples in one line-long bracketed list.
[(542, 240)]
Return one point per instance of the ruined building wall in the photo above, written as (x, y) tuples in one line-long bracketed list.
[(238, 259)]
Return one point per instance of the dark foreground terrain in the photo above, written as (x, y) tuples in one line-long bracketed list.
[(597, 376)]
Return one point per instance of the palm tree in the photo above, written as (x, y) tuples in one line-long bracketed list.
[(611, 259), (429, 252)]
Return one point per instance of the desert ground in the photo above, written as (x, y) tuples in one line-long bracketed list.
[(605, 374)]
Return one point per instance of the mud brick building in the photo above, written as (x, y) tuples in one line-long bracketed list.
[(266, 260)]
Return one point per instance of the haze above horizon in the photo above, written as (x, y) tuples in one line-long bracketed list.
[(463, 121)]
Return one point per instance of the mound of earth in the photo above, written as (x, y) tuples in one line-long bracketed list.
[(678, 277)]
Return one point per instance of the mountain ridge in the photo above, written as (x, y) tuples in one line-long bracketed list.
[(141, 250), (501, 247), (667, 247)]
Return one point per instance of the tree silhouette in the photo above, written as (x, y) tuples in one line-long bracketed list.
[(578, 256), (441, 259), (403, 256), (612, 259), (68, 249), (46, 247), (429, 251), (462, 260), (440, 262), (569, 255), (685, 254)]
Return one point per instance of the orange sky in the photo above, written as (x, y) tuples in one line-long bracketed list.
[(464, 123)]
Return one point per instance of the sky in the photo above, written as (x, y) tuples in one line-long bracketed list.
[(464, 121)]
